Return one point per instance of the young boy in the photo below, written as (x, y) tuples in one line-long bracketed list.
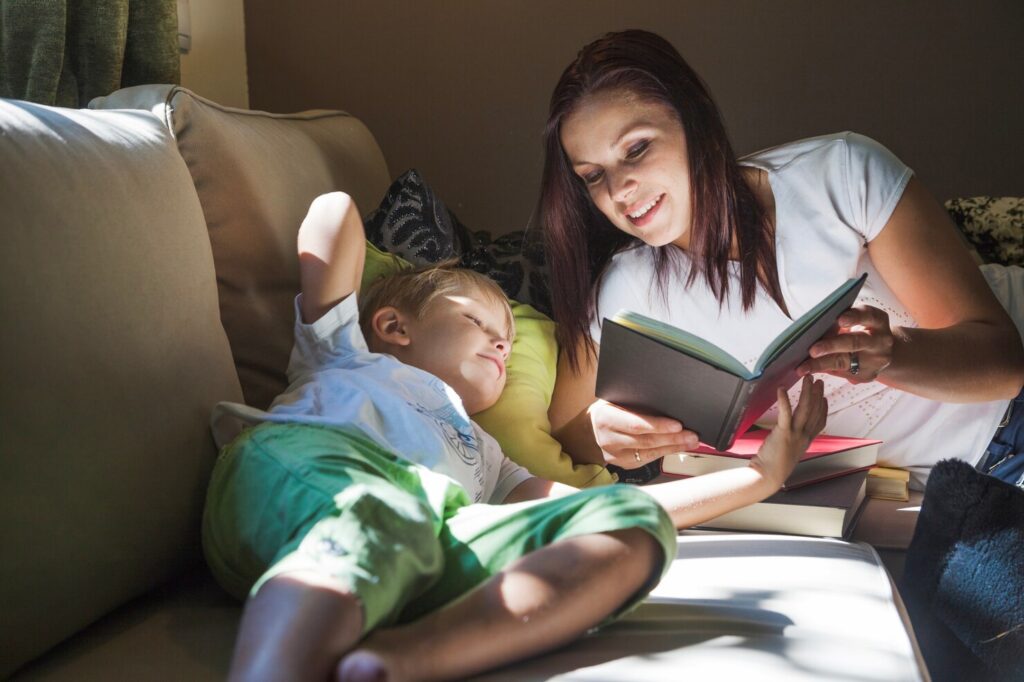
[(360, 509)]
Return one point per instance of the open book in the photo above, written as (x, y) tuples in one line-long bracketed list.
[(650, 366)]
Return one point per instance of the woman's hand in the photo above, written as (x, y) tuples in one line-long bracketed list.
[(858, 350), (792, 434), (631, 439)]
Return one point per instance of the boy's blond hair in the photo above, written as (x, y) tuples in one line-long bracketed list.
[(413, 290)]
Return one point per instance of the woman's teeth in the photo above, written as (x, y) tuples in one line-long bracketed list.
[(645, 208)]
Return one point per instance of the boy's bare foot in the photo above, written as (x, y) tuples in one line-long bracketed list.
[(386, 655), (363, 666)]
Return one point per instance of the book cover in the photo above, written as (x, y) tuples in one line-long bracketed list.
[(650, 366), (826, 457), (825, 509)]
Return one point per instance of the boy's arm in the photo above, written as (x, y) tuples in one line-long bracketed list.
[(693, 501), (332, 252), (535, 489)]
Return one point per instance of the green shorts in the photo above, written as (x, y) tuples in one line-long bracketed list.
[(405, 540)]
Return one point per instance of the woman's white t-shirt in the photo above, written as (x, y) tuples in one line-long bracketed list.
[(833, 195)]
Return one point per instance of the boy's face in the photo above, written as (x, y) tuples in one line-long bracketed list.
[(463, 339)]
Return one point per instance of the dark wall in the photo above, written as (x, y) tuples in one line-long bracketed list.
[(459, 88)]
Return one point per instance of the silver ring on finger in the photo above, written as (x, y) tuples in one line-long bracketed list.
[(854, 364), (636, 455)]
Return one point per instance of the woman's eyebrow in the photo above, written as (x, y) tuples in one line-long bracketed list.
[(630, 128), (626, 130)]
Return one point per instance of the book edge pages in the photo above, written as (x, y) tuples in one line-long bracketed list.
[(769, 517), (792, 519), (804, 322)]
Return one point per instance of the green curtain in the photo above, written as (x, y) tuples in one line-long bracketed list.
[(65, 52)]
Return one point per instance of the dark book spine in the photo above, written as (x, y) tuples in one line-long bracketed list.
[(737, 408)]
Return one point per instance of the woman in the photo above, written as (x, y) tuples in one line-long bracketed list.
[(645, 207)]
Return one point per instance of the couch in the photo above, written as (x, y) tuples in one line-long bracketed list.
[(147, 273)]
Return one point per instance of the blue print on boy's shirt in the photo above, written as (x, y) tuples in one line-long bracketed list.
[(456, 430), (463, 442)]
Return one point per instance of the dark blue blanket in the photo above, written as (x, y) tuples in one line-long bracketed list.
[(963, 582)]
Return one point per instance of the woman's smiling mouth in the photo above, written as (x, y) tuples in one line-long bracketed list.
[(644, 213)]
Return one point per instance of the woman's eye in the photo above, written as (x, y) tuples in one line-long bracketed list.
[(594, 177), (637, 150)]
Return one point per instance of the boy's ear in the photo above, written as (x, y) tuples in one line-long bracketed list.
[(389, 325)]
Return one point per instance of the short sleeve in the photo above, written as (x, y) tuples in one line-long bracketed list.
[(330, 342), (876, 179), (510, 474)]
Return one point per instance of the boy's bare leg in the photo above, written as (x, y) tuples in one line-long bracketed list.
[(542, 601), (295, 628)]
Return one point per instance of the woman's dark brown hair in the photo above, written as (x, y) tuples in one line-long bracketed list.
[(580, 241)]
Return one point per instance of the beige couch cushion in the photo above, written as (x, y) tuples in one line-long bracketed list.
[(256, 174), (731, 607), (112, 355)]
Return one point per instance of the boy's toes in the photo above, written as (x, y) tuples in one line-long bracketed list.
[(362, 666)]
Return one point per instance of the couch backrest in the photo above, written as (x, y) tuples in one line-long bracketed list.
[(256, 174), (112, 355)]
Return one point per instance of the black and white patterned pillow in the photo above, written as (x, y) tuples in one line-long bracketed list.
[(993, 225), (413, 222)]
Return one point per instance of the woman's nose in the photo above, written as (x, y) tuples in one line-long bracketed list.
[(622, 187)]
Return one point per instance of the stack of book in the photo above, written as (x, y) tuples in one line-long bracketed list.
[(821, 497)]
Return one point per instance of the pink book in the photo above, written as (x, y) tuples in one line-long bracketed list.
[(827, 457)]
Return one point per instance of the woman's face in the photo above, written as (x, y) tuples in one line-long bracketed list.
[(631, 154)]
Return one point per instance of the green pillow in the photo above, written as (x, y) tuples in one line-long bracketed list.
[(519, 420)]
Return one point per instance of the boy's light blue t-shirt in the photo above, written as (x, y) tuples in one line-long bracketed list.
[(336, 381)]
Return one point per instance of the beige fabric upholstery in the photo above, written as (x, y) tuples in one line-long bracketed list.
[(182, 632), (256, 174), (732, 607), (112, 356)]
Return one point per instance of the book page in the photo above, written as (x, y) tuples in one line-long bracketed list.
[(804, 322)]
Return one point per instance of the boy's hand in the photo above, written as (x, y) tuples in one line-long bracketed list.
[(792, 434)]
